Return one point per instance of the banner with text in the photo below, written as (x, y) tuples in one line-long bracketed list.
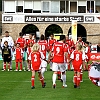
[(24, 18)]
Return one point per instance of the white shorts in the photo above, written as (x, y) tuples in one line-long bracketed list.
[(66, 65), (43, 63), (58, 67)]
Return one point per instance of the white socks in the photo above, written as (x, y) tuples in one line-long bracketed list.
[(54, 78), (64, 79), (42, 72)]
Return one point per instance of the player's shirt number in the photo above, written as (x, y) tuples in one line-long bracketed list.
[(77, 57), (35, 58), (57, 50), (42, 47)]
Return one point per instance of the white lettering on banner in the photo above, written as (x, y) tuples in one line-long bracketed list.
[(76, 18), (53, 18), (48, 19), (30, 19), (22, 18), (98, 57), (18, 19), (62, 19), (89, 18), (8, 18), (40, 19), (95, 57)]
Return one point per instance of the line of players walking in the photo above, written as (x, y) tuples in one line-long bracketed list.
[(62, 55)]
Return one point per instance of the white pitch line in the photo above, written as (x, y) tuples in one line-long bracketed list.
[(30, 81), (16, 81)]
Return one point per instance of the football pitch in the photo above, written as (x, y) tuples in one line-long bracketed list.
[(17, 86)]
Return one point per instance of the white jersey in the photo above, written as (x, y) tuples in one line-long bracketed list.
[(9, 40)]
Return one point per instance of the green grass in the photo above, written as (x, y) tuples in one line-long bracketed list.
[(17, 86)]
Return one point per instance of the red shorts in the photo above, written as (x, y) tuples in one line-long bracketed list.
[(35, 68), (18, 60), (77, 68)]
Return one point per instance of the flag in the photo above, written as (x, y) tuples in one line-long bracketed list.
[(74, 30)]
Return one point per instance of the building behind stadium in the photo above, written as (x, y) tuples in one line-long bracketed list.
[(18, 15)]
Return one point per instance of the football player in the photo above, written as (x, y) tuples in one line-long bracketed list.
[(77, 58), (43, 48), (18, 56), (59, 50), (35, 62)]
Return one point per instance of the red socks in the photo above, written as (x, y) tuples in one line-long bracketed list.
[(8, 66), (16, 65), (59, 75), (42, 80), (78, 81), (81, 74), (32, 81), (75, 79), (20, 65), (4, 64)]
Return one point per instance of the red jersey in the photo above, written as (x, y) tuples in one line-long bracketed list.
[(50, 43), (58, 52), (35, 58), (78, 58), (71, 45), (70, 42), (81, 43), (21, 41), (30, 41), (43, 46), (87, 52), (29, 51), (18, 53)]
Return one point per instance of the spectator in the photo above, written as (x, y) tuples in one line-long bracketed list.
[(96, 11), (91, 10)]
